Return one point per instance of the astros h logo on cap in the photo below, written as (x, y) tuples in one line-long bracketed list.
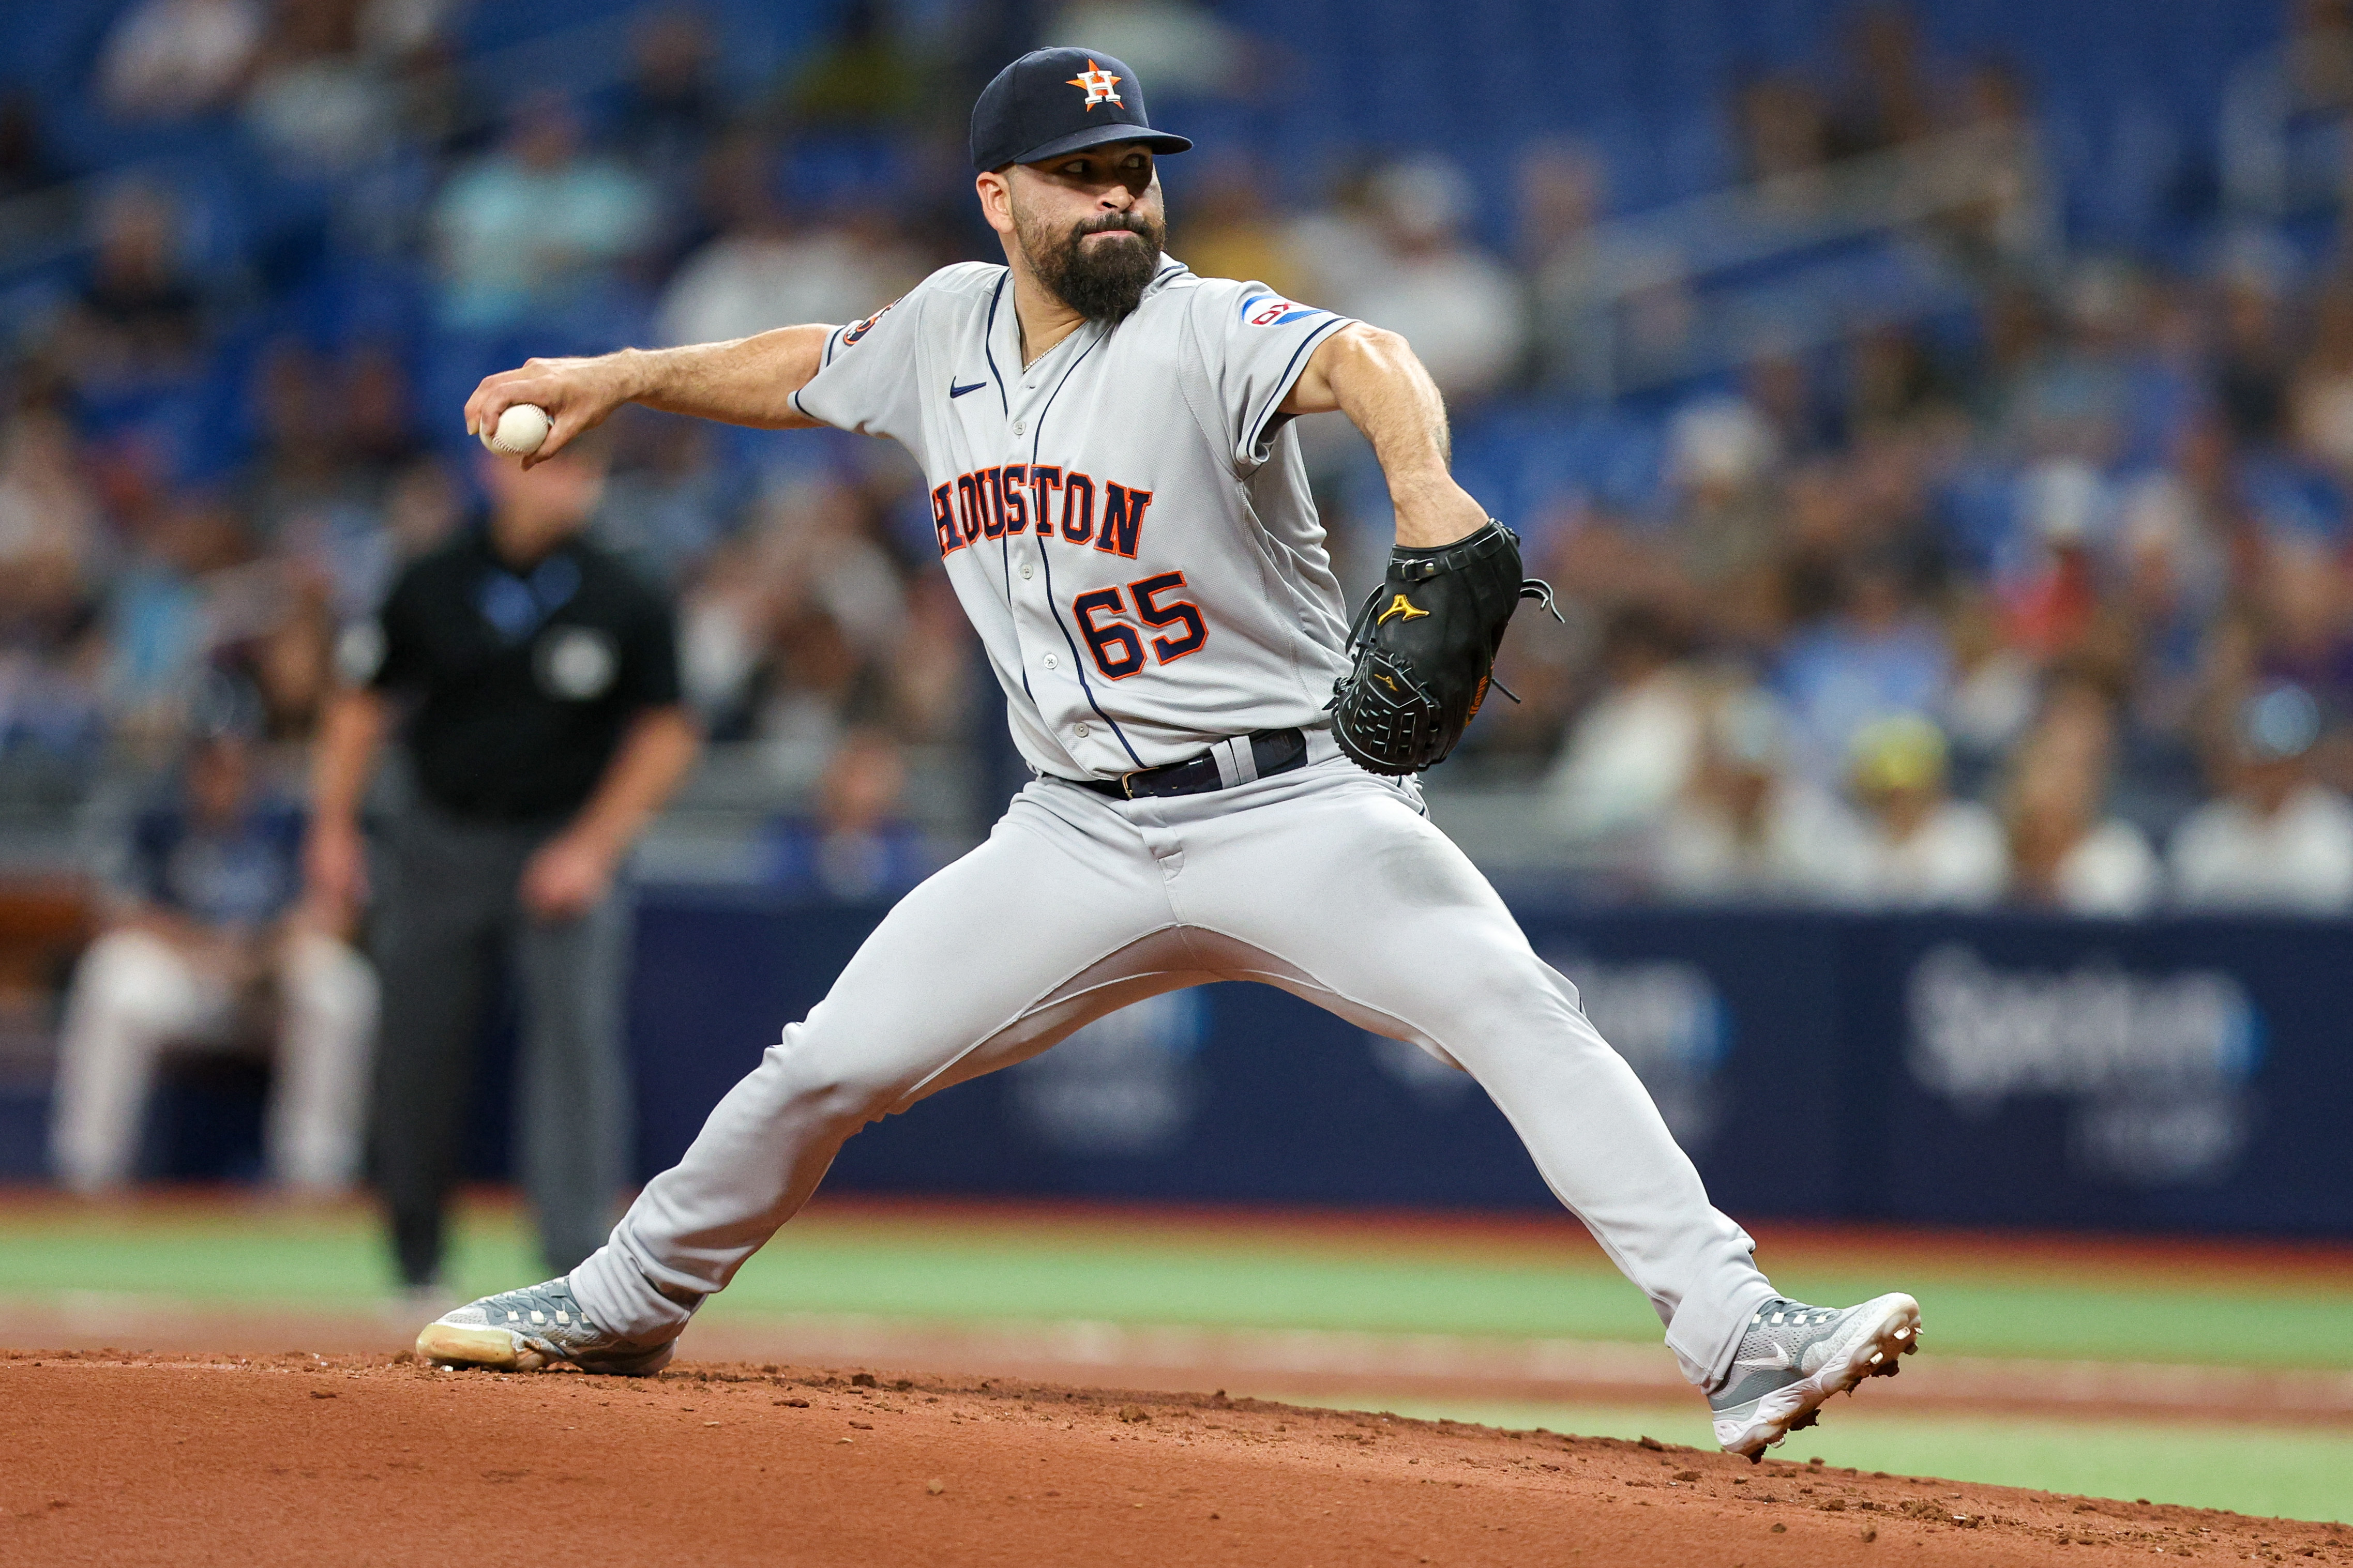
[(1099, 83), (1030, 113)]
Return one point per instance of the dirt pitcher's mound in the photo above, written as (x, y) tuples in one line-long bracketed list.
[(309, 1461)]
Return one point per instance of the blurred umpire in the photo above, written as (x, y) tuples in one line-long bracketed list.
[(532, 681)]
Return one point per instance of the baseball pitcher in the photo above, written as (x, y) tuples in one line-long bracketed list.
[(1224, 755)]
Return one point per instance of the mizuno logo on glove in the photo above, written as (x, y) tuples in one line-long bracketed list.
[(1411, 690)]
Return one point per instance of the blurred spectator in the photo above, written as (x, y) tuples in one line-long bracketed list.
[(789, 633), (1634, 749), (1600, 298), (208, 945), (396, 30), (1722, 458), (2050, 600), (668, 503), (49, 521), (334, 439), (2013, 228), (1560, 186), (1182, 49), (1995, 687), (319, 106), (1880, 654), (164, 617), (1886, 99), (1746, 829), (2320, 399), (1783, 133), (2064, 853), (2306, 626), (1893, 382), (670, 108), (2172, 580), (871, 73), (2252, 362), (539, 226), (1920, 848), (1227, 229), (423, 507), (139, 319), (25, 162), (2072, 399), (859, 846), (165, 58), (765, 270), (934, 675), (2303, 85), (51, 556), (2278, 839), (1458, 306)]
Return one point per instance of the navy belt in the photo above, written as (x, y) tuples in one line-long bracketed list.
[(1271, 751)]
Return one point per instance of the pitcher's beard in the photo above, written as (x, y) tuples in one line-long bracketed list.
[(1101, 282)]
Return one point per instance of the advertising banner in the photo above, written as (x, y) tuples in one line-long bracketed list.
[(1993, 1069)]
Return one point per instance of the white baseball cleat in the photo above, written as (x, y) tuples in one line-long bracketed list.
[(531, 1329), (1795, 1356)]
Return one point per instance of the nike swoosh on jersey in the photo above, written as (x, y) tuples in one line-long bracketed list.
[(956, 391)]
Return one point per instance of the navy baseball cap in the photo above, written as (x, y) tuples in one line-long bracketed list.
[(1052, 101)]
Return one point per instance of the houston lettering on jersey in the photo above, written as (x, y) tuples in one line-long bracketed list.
[(990, 503)]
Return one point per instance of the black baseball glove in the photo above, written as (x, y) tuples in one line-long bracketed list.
[(1424, 650)]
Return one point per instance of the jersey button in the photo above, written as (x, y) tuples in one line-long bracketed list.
[(1020, 425), (1052, 663), (1027, 571), (1082, 732)]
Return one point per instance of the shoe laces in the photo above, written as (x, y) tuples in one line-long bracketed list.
[(1791, 1314)]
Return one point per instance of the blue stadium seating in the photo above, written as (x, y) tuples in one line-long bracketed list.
[(2128, 94)]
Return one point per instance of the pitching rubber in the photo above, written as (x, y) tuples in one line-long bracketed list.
[(454, 1345)]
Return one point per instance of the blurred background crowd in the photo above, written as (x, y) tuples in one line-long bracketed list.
[(1938, 420)]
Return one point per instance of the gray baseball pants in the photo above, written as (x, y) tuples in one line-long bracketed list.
[(1326, 882), (448, 923)]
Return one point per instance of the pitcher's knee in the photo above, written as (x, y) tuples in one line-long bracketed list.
[(818, 1085), (1513, 989)]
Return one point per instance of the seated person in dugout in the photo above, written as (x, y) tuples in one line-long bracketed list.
[(207, 946)]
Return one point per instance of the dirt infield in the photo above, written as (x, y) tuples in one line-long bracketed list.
[(297, 1459), (1296, 1363)]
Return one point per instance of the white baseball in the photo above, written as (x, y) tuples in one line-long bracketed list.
[(521, 431)]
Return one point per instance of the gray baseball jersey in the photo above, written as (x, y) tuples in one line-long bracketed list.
[(1127, 520)]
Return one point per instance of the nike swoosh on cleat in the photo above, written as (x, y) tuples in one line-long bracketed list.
[(1779, 1361), (956, 391)]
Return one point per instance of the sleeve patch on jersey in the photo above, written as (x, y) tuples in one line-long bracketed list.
[(858, 330), (1266, 310)]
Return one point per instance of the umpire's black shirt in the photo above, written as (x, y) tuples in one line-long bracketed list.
[(523, 680)]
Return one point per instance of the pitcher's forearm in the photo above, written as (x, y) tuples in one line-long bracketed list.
[(749, 381), (1373, 377)]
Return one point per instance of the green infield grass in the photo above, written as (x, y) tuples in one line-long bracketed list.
[(1414, 1281), (2286, 1472)]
